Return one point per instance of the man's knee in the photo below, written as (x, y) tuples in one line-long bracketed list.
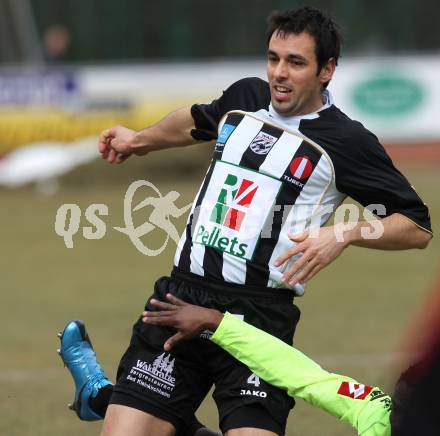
[(122, 420)]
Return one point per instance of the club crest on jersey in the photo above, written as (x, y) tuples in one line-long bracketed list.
[(262, 143), (356, 391), (232, 203)]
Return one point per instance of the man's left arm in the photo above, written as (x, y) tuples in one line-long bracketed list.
[(319, 249), (395, 232), (364, 172)]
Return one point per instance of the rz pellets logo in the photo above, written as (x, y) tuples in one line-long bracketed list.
[(233, 202)]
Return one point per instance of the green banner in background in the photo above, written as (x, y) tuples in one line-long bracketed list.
[(388, 95)]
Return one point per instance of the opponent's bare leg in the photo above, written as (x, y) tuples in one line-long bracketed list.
[(247, 431), (122, 421)]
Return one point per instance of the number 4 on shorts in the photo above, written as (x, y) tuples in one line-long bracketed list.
[(253, 380)]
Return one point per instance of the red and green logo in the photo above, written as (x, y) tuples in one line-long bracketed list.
[(233, 202)]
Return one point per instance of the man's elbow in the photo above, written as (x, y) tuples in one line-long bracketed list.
[(423, 239)]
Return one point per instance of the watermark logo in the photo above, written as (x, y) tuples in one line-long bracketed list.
[(164, 207), (68, 218), (232, 222)]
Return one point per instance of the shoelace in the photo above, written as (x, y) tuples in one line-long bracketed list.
[(94, 382)]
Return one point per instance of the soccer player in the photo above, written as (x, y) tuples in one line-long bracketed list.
[(284, 157)]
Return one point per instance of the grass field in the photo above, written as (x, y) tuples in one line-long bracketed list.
[(353, 315)]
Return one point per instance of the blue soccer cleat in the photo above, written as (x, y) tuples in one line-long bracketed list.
[(80, 358)]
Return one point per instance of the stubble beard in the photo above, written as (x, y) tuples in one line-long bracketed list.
[(284, 109)]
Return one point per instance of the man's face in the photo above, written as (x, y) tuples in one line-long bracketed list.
[(295, 86)]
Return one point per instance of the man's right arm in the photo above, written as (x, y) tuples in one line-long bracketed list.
[(118, 143), (186, 126), (367, 409)]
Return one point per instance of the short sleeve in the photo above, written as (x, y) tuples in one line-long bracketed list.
[(366, 173), (250, 94)]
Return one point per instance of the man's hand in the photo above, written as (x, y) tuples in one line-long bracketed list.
[(117, 144), (188, 319), (317, 252)]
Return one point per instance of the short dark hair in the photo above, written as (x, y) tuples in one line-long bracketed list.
[(323, 29)]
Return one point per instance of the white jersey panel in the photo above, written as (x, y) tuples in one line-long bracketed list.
[(282, 153), (234, 269), (240, 139), (318, 189)]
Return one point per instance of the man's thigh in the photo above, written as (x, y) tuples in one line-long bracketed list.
[(244, 400), (122, 421), (247, 402), (169, 386)]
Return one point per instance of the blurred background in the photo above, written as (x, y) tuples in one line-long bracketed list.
[(69, 69)]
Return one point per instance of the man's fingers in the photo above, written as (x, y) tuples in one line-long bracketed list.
[(121, 158), (297, 266), (159, 318), (289, 253), (300, 237), (103, 150), (102, 142), (300, 276), (176, 301), (162, 305), (158, 314), (311, 274), (307, 273), (111, 155), (169, 343)]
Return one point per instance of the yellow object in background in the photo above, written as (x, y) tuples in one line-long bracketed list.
[(24, 126)]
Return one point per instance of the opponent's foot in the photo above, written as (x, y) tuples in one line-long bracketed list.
[(196, 428), (80, 358), (206, 432)]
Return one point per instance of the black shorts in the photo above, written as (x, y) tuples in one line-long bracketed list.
[(172, 386)]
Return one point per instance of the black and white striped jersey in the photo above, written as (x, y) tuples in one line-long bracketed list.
[(271, 176)]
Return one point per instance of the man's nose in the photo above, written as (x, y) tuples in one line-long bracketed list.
[(281, 71)]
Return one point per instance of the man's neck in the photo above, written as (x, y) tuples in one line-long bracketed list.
[(325, 100)]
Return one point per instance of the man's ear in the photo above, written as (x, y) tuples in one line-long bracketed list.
[(327, 71)]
